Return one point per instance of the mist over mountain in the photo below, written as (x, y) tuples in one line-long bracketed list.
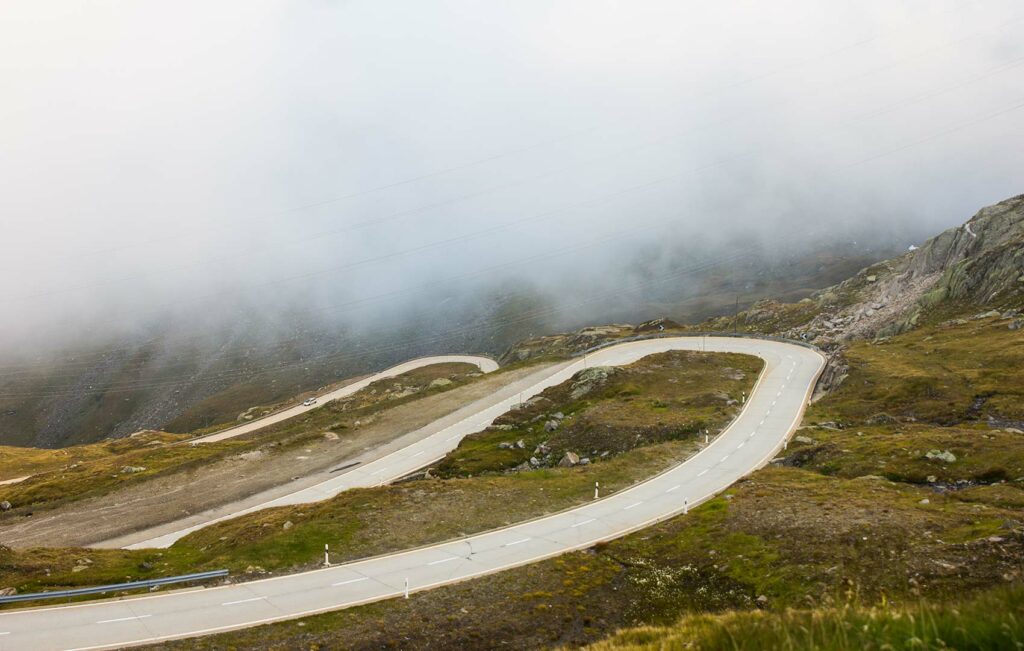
[(195, 197)]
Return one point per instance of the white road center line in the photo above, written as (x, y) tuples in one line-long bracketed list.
[(242, 601), (443, 560), (724, 458), (5, 632), (419, 453), (377, 472), (702, 472), (626, 508), (742, 443), (364, 578), (452, 438), (122, 619), (673, 488), (580, 524), (516, 542)]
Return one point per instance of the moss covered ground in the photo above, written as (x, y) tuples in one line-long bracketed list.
[(856, 528)]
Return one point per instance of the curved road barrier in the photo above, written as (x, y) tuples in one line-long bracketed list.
[(771, 413)]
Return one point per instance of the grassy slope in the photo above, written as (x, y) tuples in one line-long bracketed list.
[(990, 622), (809, 535), (69, 474), (360, 523)]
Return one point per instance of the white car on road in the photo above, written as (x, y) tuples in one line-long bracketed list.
[(309, 402)]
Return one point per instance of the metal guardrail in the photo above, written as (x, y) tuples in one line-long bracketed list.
[(101, 589)]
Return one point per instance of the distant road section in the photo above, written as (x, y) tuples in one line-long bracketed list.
[(771, 413), (485, 364)]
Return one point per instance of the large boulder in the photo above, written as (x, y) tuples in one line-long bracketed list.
[(569, 460), (586, 381)]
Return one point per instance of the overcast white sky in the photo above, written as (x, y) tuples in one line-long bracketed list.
[(153, 154)]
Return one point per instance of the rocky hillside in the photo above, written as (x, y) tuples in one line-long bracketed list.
[(979, 264)]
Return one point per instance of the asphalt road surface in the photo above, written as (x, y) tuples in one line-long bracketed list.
[(771, 413)]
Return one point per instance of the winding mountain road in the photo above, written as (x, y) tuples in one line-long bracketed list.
[(770, 415)]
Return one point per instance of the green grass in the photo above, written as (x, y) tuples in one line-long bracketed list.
[(992, 621), (853, 523), (940, 374), (804, 540), (666, 397)]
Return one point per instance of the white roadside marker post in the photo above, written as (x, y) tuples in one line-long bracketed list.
[(327, 558), (597, 490), (706, 437), (686, 506), (744, 398), (406, 587)]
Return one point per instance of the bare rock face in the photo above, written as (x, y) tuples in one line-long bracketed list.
[(979, 262)]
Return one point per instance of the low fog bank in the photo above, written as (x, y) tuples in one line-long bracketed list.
[(316, 176)]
